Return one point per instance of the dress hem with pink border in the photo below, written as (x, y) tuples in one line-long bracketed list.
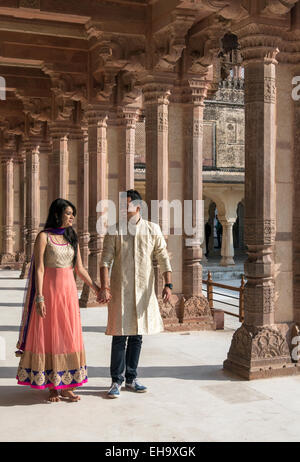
[(50, 385)]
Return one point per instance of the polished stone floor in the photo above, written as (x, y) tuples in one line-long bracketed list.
[(190, 398)]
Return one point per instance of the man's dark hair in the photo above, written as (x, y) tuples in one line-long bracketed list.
[(135, 196)]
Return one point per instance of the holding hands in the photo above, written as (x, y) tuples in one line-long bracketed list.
[(104, 295)]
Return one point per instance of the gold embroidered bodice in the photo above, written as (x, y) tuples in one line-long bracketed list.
[(58, 255)]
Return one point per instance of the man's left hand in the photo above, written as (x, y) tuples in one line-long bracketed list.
[(166, 294)]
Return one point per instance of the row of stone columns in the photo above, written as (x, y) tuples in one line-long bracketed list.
[(91, 140), (53, 140)]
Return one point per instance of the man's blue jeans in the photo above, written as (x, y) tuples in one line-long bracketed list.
[(121, 359)]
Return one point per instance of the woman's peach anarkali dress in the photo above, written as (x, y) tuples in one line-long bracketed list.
[(54, 355)]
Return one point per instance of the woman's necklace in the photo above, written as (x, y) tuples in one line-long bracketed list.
[(56, 241)]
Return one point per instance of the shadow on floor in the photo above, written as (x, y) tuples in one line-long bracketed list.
[(203, 372), (12, 288), (9, 328), (93, 329), (17, 278), (17, 395)]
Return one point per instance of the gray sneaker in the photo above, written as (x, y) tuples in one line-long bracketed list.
[(114, 391), (136, 386)]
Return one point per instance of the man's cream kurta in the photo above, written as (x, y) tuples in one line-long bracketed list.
[(134, 309)]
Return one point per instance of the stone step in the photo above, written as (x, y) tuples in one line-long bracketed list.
[(221, 272)]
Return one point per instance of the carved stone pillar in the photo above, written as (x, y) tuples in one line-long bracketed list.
[(156, 100), (20, 257), (97, 148), (259, 348), (7, 256), (127, 118), (296, 216), (83, 199), (195, 310), (295, 331), (227, 250), (31, 146), (59, 161)]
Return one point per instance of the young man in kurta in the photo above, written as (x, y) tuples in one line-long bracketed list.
[(133, 308)]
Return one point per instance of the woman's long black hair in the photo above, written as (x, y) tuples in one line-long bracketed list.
[(54, 220)]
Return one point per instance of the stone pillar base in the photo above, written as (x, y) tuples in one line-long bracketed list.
[(246, 373), (25, 270), (11, 266), (6, 258), (88, 297), (227, 261), (169, 313), (186, 314), (260, 352), (195, 314)]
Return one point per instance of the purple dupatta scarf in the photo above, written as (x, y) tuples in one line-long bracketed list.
[(29, 298)]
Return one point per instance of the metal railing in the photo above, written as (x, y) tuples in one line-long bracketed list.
[(210, 295)]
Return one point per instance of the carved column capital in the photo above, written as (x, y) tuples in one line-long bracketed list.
[(259, 43), (156, 91), (97, 115), (191, 90), (127, 116)]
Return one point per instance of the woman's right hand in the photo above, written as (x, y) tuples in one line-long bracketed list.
[(41, 309)]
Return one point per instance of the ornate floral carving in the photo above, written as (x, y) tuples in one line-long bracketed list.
[(167, 311), (194, 307), (250, 343)]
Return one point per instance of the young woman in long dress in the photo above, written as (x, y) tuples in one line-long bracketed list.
[(50, 342)]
